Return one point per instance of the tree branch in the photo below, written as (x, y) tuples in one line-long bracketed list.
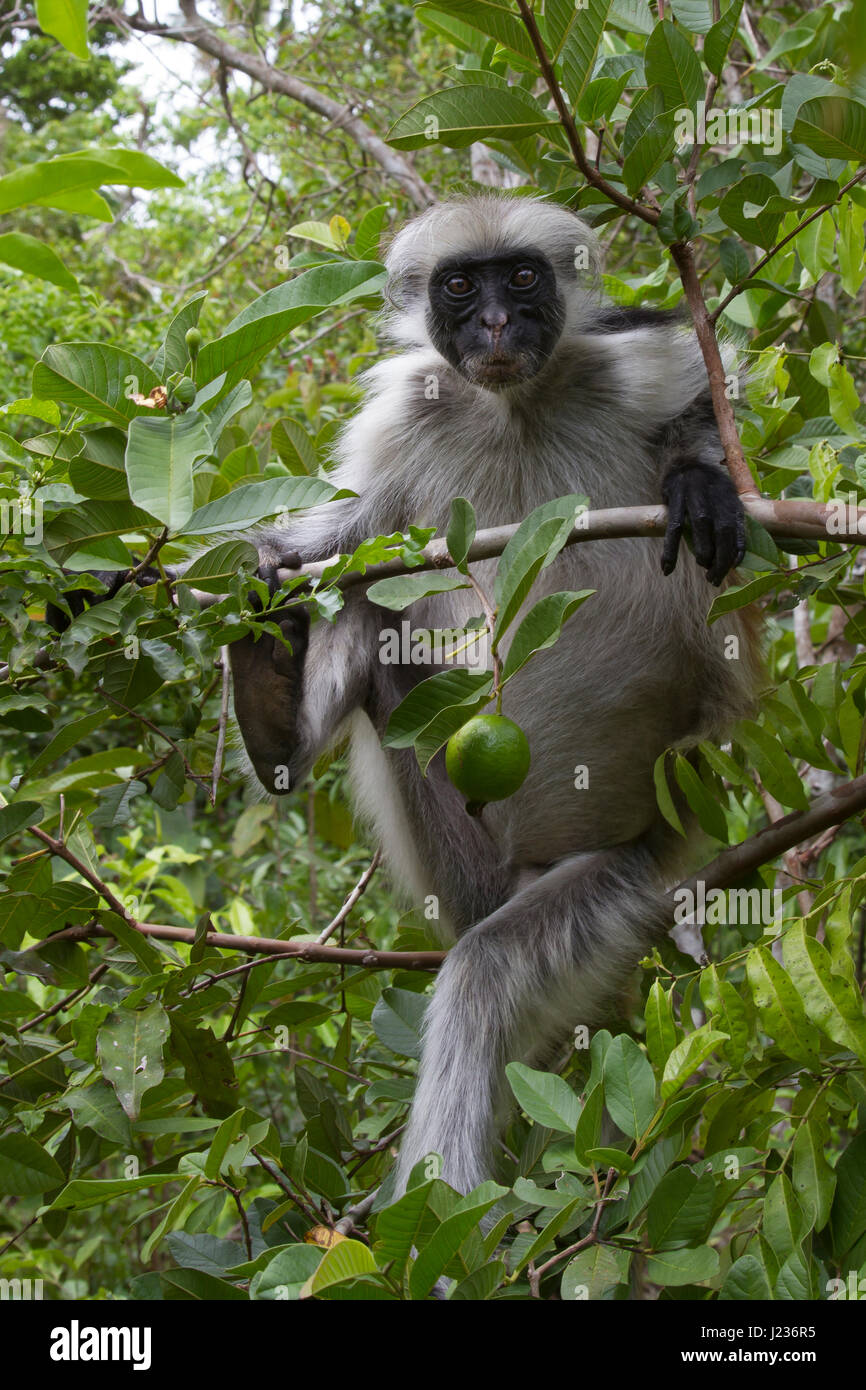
[(733, 863), (272, 79), (590, 173)]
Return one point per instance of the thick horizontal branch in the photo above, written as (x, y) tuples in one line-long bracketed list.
[(307, 952), (798, 517), (832, 808), (732, 864)]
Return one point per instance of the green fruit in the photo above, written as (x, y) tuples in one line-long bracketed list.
[(193, 340), (487, 759), (184, 391)]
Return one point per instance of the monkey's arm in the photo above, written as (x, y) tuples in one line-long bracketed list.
[(290, 704)]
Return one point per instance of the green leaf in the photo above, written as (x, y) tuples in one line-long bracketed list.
[(746, 1280), (680, 1210), (265, 322), (129, 1045), (251, 502), (779, 1007), (834, 127), (675, 1267), (431, 697), (221, 1143), (737, 210), (547, 1099), (18, 816), (96, 1107), (173, 356), (397, 1020), (410, 1220), (160, 454), (98, 471), (212, 570), (663, 794), (708, 811), (784, 1221), (92, 1192), (437, 1254), (673, 65), (741, 595), (491, 17), (830, 1001), (66, 21), (848, 1214), (727, 1013), (95, 378), (93, 529), (735, 262), (461, 530), (574, 34), (687, 1056), (369, 231), (25, 1168), (648, 138), (534, 545), (31, 255), (458, 116), (772, 764), (720, 37), (207, 1065), (661, 1030), (814, 1181), (51, 181), (405, 589), (294, 447), (593, 1272), (588, 1131), (286, 1274), (629, 1086), (541, 627)]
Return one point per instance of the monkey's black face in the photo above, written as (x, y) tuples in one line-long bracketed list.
[(495, 319)]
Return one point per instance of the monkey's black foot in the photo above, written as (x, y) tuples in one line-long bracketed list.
[(268, 568), (704, 496), (293, 622)]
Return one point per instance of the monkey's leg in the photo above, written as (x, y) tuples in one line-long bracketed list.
[(554, 956)]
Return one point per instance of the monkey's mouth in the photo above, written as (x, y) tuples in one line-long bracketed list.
[(498, 369)]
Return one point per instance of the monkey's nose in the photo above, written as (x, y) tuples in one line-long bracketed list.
[(494, 320)]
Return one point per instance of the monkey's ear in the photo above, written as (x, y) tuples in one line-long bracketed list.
[(78, 599)]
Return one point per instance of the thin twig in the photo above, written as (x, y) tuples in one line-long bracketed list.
[(359, 888)]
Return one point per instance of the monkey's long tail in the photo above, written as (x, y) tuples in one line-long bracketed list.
[(555, 956)]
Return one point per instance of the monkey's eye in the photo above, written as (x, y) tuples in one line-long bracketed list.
[(523, 278), (458, 285)]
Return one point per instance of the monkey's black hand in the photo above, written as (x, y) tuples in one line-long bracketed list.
[(268, 681), (79, 599), (703, 495)]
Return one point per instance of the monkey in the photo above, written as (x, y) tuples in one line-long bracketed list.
[(514, 383)]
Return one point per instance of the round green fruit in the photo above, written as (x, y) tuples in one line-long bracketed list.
[(487, 759), (193, 340)]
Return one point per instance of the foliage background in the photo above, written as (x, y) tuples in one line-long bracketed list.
[(252, 1111)]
